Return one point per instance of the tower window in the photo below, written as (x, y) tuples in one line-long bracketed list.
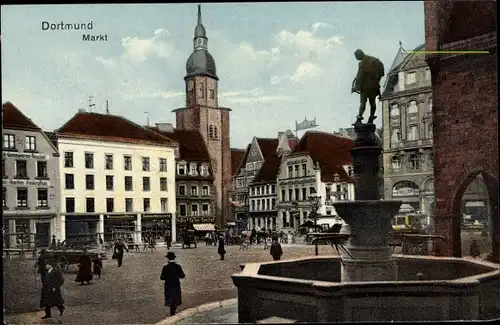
[(215, 133), (211, 132), (212, 94)]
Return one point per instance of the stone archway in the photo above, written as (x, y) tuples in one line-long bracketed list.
[(466, 223)]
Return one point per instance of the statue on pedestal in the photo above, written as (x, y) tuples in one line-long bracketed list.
[(367, 83)]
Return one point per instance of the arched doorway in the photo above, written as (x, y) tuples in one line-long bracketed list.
[(475, 216), (408, 192)]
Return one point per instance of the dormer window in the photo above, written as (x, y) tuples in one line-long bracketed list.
[(192, 170), (204, 170), (411, 78), (350, 170), (181, 169)]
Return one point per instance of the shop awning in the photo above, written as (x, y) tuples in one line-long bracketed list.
[(204, 227)]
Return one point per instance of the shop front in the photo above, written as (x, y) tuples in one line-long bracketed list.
[(28, 231), (156, 226), (81, 228), (121, 226)]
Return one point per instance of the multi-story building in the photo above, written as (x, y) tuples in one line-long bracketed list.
[(320, 165), (239, 198), (116, 177), (195, 197), (407, 120), (30, 180), (237, 156), (262, 190), (203, 114)]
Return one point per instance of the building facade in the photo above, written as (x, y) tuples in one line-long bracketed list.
[(203, 114), (465, 100), (117, 179), (319, 165), (30, 176), (237, 156), (407, 120), (195, 195)]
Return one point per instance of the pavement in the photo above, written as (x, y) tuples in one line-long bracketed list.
[(133, 293), (219, 312)]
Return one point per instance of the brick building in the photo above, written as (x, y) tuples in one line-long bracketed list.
[(465, 110), (203, 114)]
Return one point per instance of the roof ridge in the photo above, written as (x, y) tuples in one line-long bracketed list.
[(35, 126)]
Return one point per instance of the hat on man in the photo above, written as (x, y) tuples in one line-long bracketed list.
[(170, 255)]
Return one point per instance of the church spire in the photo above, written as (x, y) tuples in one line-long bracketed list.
[(200, 34), (199, 15)]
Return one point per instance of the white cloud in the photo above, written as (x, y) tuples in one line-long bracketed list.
[(305, 71), (106, 62), (153, 94), (319, 25), (256, 95)]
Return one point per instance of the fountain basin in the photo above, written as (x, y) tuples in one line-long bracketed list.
[(310, 290)]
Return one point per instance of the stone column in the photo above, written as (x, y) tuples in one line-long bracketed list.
[(100, 230), (138, 232), (32, 230), (12, 239), (62, 228)]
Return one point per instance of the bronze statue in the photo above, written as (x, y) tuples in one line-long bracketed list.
[(367, 83)]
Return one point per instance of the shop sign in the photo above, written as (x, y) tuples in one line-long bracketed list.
[(24, 155), (25, 182), (164, 216), (121, 217)]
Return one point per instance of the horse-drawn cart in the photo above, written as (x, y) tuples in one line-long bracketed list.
[(65, 258)]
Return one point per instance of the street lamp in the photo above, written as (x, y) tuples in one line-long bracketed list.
[(315, 204)]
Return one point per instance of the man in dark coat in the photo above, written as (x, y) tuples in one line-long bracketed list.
[(84, 268), (276, 250), (97, 267), (118, 251), (51, 291), (171, 274), (221, 250), (40, 264)]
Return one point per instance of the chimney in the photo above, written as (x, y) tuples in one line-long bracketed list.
[(165, 127)]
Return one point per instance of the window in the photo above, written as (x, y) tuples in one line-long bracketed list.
[(145, 164), (146, 203), (249, 166), (212, 93), (89, 182), (304, 193), (297, 194), (163, 164), (194, 209), (70, 204), (109, 183), (30, 143), (204, 170), (304, 170), (181, 169), (42, 197), (129, 205), (211, 132), (297, 167), (69, 181), (163, 204), (3, 168), (273, 204), (396, 162), (216, 136), (283, 194), (182, 210), (290, 195), (4, 192), (108, 162), (253, 205), (41, 169), (194, 190), (396, 136), (394, 110), (312, 190), (204, 209), (127, 162), (205, 191), (414, 161), (89, 160), (290, 171), (412, 133), (22, 197), (182, 190), (273, 189), (192, 170), (89, 204), (110, 204), (412, 108), (429, 104), (9, 141), (68, 159), (21, 170), (128, 183), (163, 184), (410, 78), (427, 74), (146, 184)]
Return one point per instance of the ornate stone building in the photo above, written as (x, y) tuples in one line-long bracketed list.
[(203, 114), (407, 135), (465, 113)]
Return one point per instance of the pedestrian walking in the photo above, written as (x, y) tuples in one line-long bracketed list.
[(51, 291), (276, 250), (221, 249), (84, 268), (118, 251), (40, 264), (168, 241), (97, 267), (171, 274)]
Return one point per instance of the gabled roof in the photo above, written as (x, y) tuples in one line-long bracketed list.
[(269, 170), (243, 160), (332, 152), (13, 118), (107, 127), (192, 147), (267, 146), (236, 158)]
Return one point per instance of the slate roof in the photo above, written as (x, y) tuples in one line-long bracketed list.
[(243, 160), (267, 146), (269, 170), (107, 127), (331, 151), (13, 118), (192, 147), (236, 158)]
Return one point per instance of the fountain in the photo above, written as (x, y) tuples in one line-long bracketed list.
[(368, 283)]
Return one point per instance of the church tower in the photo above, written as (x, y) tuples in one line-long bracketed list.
[(203, 114)]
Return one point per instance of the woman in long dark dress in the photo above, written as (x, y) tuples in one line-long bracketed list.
[(51, 291), (221, 250), (84, 268), (171, 274)]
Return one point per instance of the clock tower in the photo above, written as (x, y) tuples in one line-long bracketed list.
[(203, 114)]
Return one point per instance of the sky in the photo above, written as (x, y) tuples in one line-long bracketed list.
[(277, 63)]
